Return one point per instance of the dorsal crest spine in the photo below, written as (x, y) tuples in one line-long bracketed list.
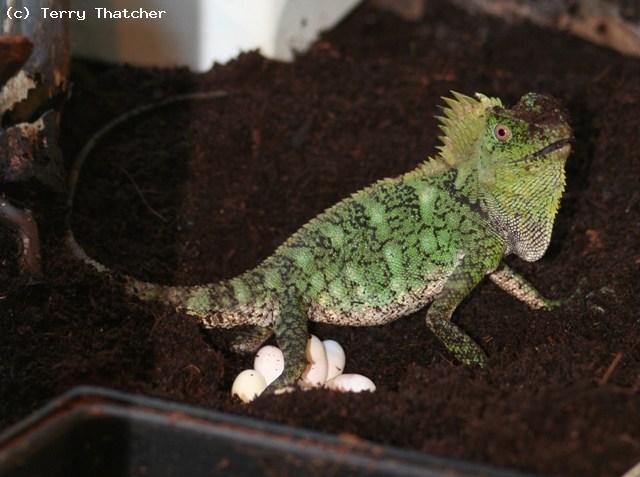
[(462, 123)]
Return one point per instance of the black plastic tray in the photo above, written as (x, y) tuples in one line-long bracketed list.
[(99, 432)]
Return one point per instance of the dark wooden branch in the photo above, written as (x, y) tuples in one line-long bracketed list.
[(14, 52), (34, 71)]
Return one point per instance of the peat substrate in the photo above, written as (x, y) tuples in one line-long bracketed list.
[(201, 191)]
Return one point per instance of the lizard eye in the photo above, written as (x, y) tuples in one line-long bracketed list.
[(501, 132)]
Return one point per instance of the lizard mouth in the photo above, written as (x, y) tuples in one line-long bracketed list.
[(554, 146), (545, 151)]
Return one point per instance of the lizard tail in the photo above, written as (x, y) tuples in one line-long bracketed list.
[(198, 300), (145, 291), (216, 305)]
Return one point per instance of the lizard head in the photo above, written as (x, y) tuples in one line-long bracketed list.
[(521, 170), (515, 158)]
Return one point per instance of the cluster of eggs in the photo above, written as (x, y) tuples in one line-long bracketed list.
[(326, 360)]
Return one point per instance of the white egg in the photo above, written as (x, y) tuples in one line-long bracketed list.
[(351, 383), (315, 374), (269, 362), (335, 358), (248, 385)]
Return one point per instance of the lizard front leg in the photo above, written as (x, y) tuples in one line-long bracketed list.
[(516, 285), (459, 284)]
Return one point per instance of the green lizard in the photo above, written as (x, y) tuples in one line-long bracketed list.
[(430, 235)]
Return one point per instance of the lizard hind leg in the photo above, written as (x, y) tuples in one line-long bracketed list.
[(291, 334)]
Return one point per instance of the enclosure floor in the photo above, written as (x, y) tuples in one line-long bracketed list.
[(226, 181)]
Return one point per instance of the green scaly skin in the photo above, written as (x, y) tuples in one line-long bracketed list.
[(388, 250)]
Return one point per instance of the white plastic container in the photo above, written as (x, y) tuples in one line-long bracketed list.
[(195, 33)]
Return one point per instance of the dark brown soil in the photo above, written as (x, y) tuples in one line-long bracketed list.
[(227, 181)]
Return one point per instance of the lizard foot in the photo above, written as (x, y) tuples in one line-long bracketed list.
[(577, 293), (457, 342), (471, 355)]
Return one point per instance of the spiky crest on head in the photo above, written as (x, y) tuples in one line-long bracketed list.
[(462, 124)]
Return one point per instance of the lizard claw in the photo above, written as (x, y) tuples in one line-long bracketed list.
[(577, 293)]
